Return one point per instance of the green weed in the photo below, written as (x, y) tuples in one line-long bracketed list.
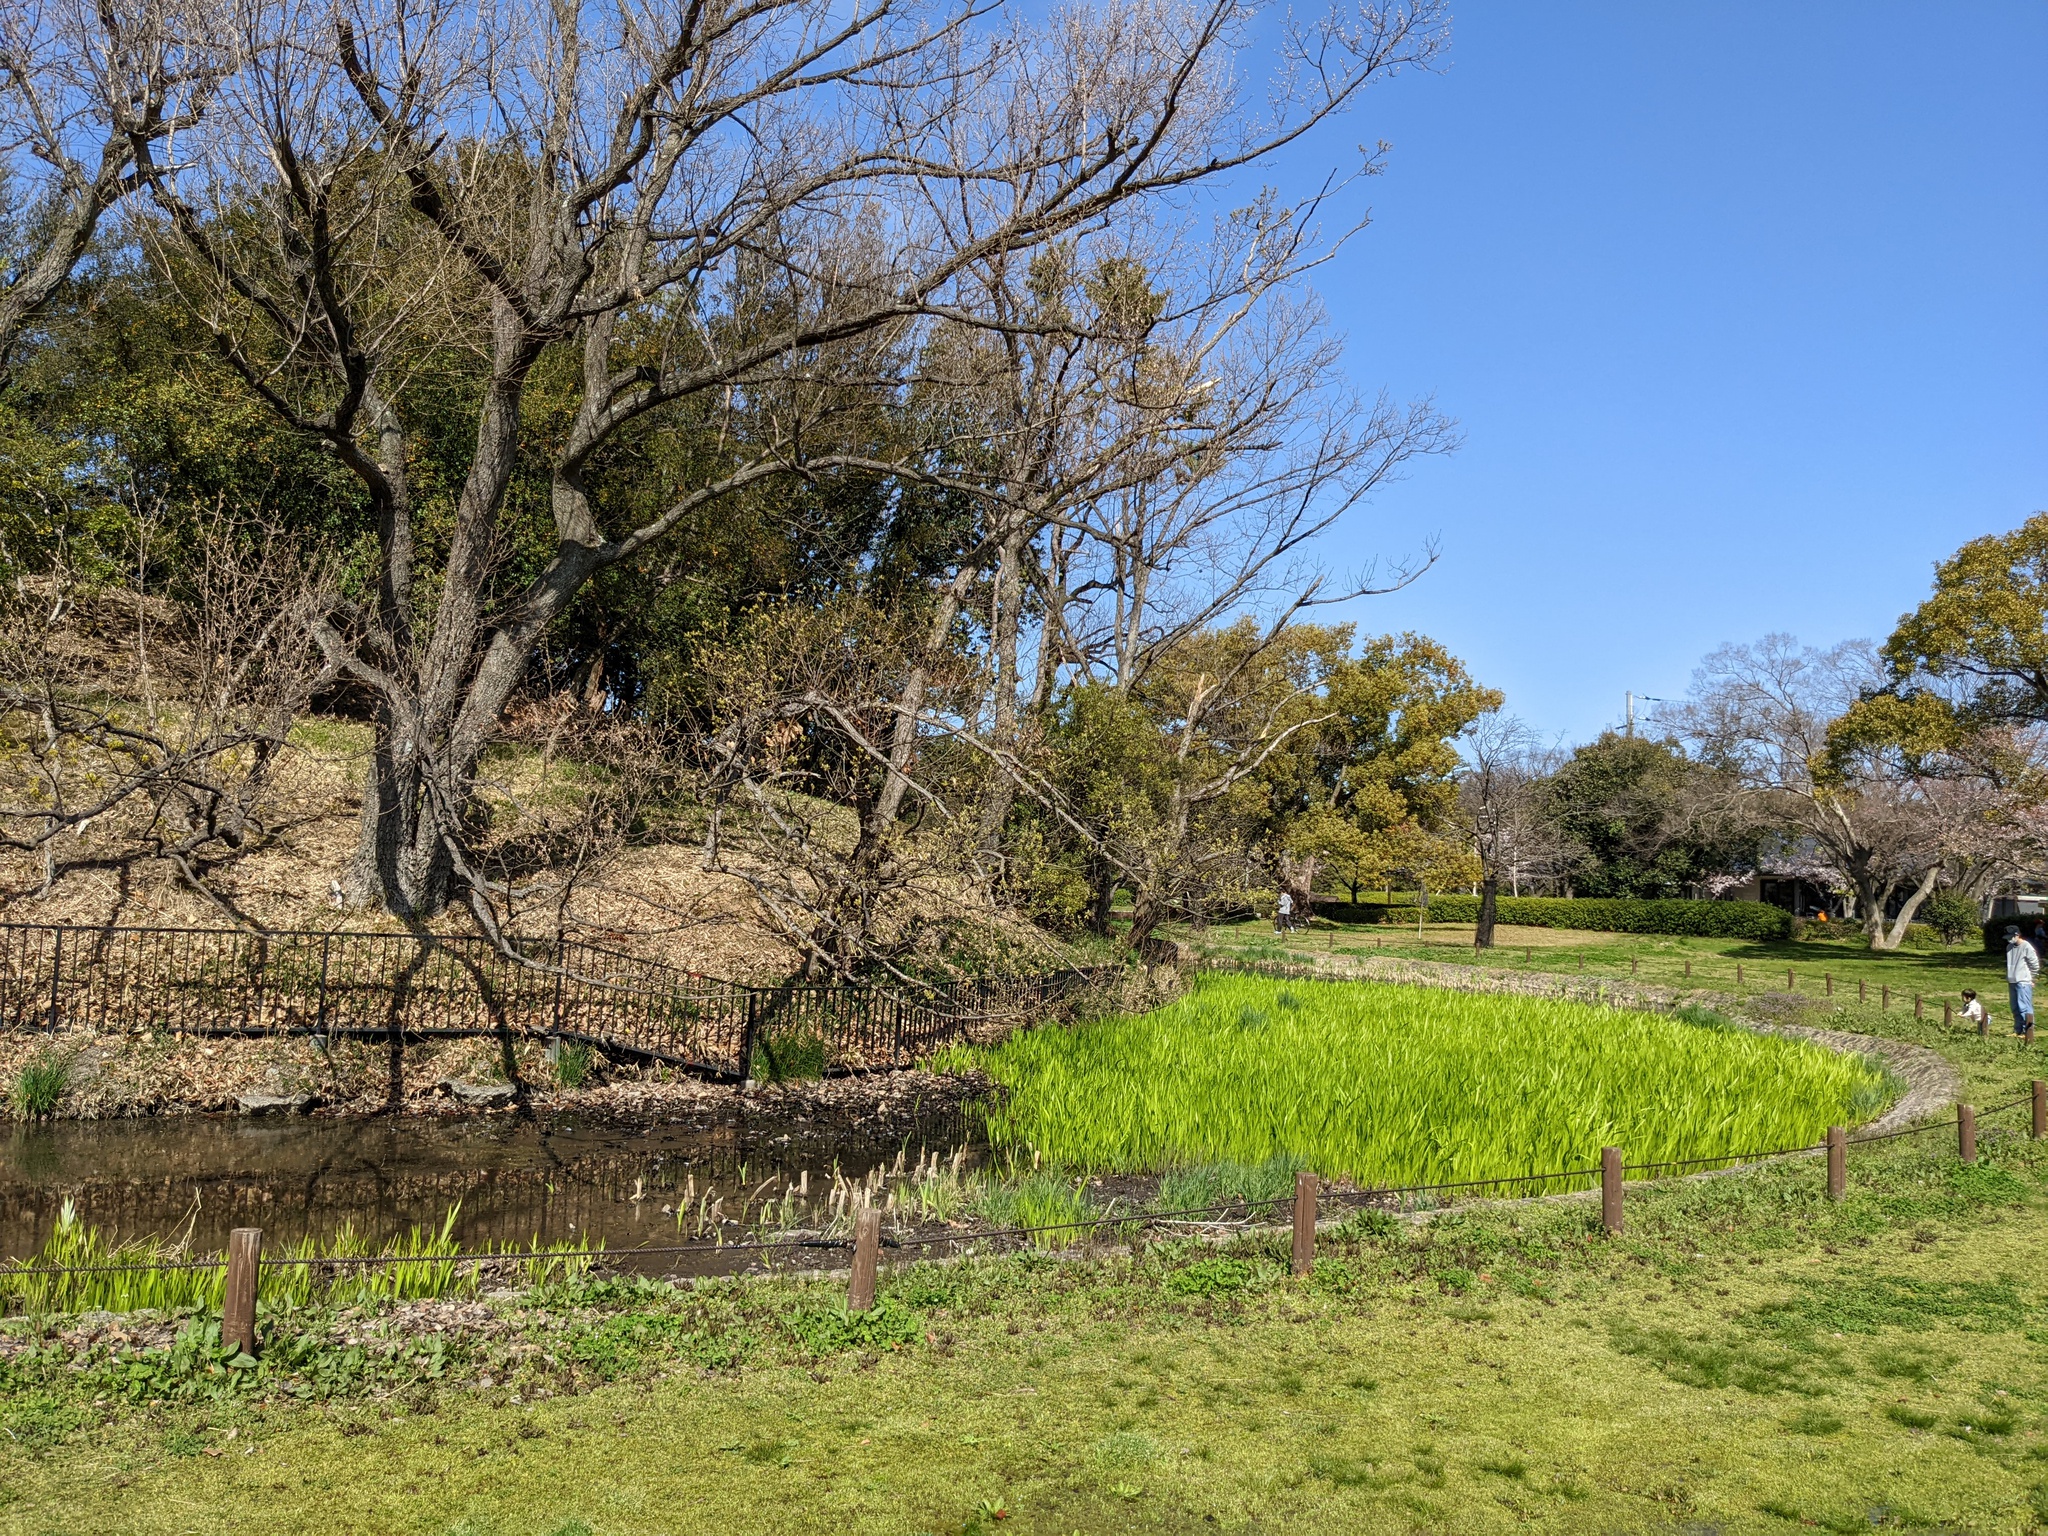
[(572, 1065), (39, 1086)]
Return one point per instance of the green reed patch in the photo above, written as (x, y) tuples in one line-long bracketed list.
[(1395, 1084)]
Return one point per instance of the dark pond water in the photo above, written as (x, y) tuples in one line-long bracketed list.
[(516, 1180)]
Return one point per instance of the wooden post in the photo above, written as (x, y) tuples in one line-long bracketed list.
[(867, 1247), (238, 1304), (1791, 981), (1304, 1222), (1838, 1157), (1916, 1007), (1966, 1132), (2040, 1109), (1738, 973), (1688, 965), (1947, 1015), (1828, 977), (1632, 965), (1885, 998), (1984, 1025), (1862, 991), (1582, 962), (1610, 1191)]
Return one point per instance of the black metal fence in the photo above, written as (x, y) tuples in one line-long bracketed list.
[(223, 982)]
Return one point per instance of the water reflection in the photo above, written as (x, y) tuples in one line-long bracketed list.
[(517, 1180)]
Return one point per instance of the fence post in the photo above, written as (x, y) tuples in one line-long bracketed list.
[(867, 1247), (1966, 1132), (1838, 1158), (320, 1005), (1828, 977), (1688, 965), (1916, 1007), (1791, 981), (1947, 1013), (1862, 991), (1610, 1190), (747, 1036), (1738, 973), (1885, 996), (56, 975), (238, 1302), (1304, 1222), (2040, 1109)]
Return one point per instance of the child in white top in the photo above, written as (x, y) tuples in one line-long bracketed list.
[(1973, 1011)]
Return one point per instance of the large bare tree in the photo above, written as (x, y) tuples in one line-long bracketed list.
[(720, 215)]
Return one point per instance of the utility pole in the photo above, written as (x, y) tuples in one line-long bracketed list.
[(1631, 706)]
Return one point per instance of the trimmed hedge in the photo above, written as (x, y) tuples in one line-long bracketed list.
[(1994, 931), (1704, 919)]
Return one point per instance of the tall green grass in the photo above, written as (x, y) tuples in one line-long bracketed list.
[(1406, 1085), (149, 1274), (39, 1086)]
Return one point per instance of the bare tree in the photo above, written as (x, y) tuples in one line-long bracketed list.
[(1500, 796), (155, 723), (725, 213), (83, 87), (1886, 827)]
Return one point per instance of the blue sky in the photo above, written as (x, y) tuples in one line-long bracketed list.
[(1742, 310)]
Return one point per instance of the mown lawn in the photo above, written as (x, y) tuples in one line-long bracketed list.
[(1936, 975), (1746, 1358)]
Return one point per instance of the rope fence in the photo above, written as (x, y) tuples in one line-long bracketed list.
[(244, 1260)]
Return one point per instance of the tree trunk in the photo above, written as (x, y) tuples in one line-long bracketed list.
[(1101, 892), (1489, 889), (1892, 938)]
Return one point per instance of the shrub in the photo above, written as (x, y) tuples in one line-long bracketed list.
[(39, 1086), (1700, 919), (1950, 914)]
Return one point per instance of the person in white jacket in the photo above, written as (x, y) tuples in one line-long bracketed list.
[(2022, 965)]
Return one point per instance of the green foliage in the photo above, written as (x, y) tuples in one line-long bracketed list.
[(828, 1330), (1701, 919), (788, 1056), (1038, 1199), (1400, 1085), (1214, 1184), (39, 1086), (1950, 914), (1631, 808), (1986, 622), (1212, 1277), (149, 1274), (572, 1065)]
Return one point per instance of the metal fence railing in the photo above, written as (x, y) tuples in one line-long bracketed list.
[(225, 982)]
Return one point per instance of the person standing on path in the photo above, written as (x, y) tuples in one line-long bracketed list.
[(2022, 965), (1283, 917)]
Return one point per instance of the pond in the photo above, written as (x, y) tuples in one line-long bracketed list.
[(515, 1180)]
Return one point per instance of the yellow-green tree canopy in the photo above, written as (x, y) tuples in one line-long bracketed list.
[(1984, 630)]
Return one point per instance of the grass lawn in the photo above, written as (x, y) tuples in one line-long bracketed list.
[(1936, 975), (1746, 1358)]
